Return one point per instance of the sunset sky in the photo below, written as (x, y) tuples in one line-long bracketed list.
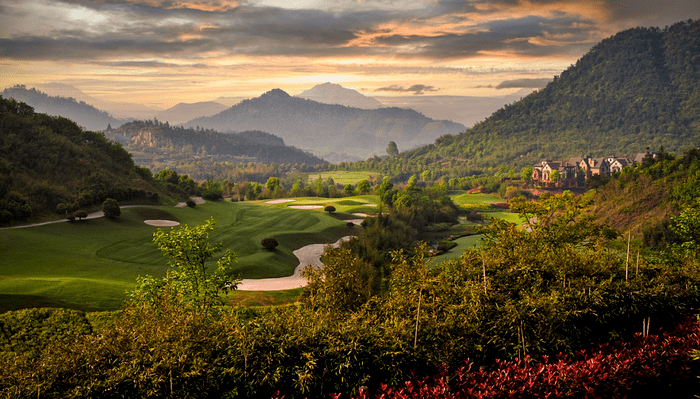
[(161, 52)]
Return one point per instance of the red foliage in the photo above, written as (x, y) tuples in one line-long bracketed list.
[(611, 370)]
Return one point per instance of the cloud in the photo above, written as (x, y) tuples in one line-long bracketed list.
[(415, 89), (524, 83)]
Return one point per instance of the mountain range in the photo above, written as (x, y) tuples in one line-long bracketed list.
[(327, 129)]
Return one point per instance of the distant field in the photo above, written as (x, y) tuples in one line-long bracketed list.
[(343, 177), (91, 264)]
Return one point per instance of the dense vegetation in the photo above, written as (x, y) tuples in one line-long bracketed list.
[(49, 164)]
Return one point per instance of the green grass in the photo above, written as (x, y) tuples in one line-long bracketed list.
[(344, 206), (343, 177), (464, 198), (91, 264), (463, 243)]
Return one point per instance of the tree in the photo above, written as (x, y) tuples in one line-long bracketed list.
[(272, 183), (111, 209), (349, 189), (392, 150), (526, 175), (387, 192), (329, 209), (363, 187), (554, 176), (188, 279), (269, 243), (80, 214)]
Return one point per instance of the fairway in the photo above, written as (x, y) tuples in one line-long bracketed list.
[(343, 177), (91, 264)]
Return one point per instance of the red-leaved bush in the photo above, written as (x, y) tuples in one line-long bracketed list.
[(610, 371)]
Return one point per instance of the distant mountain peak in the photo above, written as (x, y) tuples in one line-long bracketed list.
[(333, 93), (276, 93)]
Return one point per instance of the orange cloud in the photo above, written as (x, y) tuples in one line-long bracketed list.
[(204, 5)]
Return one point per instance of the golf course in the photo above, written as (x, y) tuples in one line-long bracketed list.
[(92, 264)]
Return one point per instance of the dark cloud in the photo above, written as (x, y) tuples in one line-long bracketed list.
[(42, 48), (191, 28), (415, 89), (524, 83), (652, 12), (513, 36)]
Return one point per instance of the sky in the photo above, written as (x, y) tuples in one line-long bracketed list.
[(161, 52)]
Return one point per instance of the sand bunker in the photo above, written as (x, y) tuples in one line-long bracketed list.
[(308, 255), (369, 204), (161, 223), (279, 201), (305, 206)]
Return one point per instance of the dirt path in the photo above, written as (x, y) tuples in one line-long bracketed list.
[(95, 215), (308, 255)]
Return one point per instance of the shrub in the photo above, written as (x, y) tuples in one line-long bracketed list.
[(111, 209), (612, 370), (191, 203), (329, 209), (212, 195), (350, 224), (269, 243)]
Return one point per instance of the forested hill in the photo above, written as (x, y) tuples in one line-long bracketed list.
[(637, 89), (151, 140), (50, 164), (82, 113)]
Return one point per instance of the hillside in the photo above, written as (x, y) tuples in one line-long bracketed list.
[(82, 113), (643, 201), (50, 164), (637, 89), (153, 143), (325, 128)]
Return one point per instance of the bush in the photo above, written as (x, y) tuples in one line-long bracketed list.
[(350, 224), (111, 209), (212, 195), (329, 209), (191, 203), (269, 243)]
